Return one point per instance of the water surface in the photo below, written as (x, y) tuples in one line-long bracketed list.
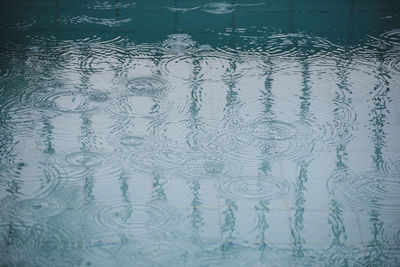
[(198, 133)]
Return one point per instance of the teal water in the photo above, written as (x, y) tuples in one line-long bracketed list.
[(198, 133)]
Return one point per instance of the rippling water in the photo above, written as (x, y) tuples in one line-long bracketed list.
[(198, 133)]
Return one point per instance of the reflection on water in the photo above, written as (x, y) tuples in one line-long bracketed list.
[(198, 133)]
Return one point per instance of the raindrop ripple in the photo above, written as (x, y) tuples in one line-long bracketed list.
[(266, 188), (374, 190)]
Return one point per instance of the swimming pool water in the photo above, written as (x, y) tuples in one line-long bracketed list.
[(199, 133)]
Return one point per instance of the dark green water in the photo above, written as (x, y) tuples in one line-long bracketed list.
[(196, 133)]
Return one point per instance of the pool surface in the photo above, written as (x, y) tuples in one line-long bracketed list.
[(199, 133)]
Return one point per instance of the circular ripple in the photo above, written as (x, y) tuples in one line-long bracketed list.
[(158, 156), (392, 61), (273, 130), (138, 106), (219, 8), (17, 20), (179, 43), (199, 167), (68, 101), (141, 159), (139, 219), (154, 254), (40, 207), (273, 140), (84, 165), (110, 57), (254, 188), (211, 67), (367, 191), (391, 167), (131, 141), (147, 86), (170, 158), (84, 159), (392, 36)]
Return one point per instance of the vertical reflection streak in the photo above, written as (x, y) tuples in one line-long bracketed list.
[(338, 248), (86, 138), (197, 220), (228, 228), (300, 201), (262, 208), (85, 141), (375, 254), (378, 112), (158, 191), (47, 134)]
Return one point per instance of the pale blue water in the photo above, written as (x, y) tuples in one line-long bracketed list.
[(197, 133)]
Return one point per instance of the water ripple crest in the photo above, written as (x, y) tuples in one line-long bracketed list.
[(179, 43), (84, 159), (40, 207), (133, 106), (138, 219), (372, 190), (273, 130), (70, 101), (267, 188), (208, 66), (160, 156), (219, 8), (17, 21), (198, 166), (392, 36), (147, 86)]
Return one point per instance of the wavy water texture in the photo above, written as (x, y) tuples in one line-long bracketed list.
[(367, 191), (187, 133), (110, 22), (160, 253), (70, 101), (107, 5), (137, 219), (265, 188), (179, 43), (17, 21), (224, 7), (37, 244)]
